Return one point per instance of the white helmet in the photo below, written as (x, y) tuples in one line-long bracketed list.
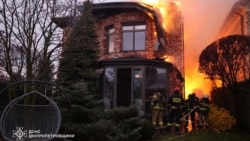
[(205, 96)]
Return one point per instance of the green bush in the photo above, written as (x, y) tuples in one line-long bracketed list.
[(126, 131), (147, 130), (119, 124), (121, 113), (220, 119)]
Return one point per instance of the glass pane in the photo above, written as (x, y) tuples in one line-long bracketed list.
[(156, 79), (127, 41), (140, 40), (111, 30), (137, 84), (109, 78), (148, 109), (127, 27), (111, 43), (140, 105), (140, 27), (137, 90), (156, 46)]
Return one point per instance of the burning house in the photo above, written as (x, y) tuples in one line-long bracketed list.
[(141, 51)]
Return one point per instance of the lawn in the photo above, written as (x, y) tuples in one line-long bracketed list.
[(204, 136)]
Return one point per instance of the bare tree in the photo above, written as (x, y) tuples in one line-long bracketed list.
[(226, 59), (30, 40)]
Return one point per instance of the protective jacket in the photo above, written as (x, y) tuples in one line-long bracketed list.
[(191, 102), (157, 101), (176, 102), (204, 104)]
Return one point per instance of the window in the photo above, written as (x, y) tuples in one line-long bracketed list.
[(134, 37), (137, 90), (109, 80), (110, 39)]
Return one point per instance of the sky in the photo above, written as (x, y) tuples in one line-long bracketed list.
[(202, 20)]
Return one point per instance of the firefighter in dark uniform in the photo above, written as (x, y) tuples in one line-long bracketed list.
[(203, 111), (190, 104), (175, 107), (157, 103)]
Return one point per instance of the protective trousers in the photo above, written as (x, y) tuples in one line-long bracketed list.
[(174, 118), (157, 116), (203, 115), (192, 118)]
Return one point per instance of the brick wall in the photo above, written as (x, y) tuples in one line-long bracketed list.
[(117, 21)]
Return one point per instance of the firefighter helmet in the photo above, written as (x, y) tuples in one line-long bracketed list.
[(205, 96)]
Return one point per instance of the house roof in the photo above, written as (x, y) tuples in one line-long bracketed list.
[(111, 8), (238, 9), (133, 60)]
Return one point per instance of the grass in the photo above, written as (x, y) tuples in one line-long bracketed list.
[(205, 136)]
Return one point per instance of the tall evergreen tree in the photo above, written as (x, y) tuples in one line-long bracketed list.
[(80, 55), (77, 75)]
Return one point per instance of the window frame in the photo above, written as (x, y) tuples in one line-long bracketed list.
[(134, 31), (110, 36)]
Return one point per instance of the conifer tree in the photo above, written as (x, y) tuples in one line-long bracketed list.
[(77, 75), (80, 55)]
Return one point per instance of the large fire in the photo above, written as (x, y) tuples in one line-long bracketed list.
[(194, 81), (163, 8)]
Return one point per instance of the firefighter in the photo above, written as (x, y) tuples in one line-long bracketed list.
[(203, 111), (175, 107), (190, 104), (157, 103)]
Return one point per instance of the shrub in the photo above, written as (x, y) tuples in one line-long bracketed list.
[(120, 113), (147, 130), (220, 119)]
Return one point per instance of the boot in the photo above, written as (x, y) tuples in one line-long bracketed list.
[(177, 130), (168, 129)]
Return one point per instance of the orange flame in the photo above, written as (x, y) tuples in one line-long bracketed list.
[(162, 9), (194, 81)]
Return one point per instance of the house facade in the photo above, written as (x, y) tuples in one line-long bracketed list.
[(237, 22), (135, 49)]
